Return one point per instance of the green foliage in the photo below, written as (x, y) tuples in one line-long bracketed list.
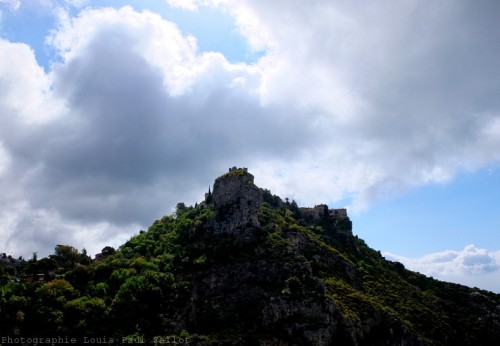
[(273, 200), (233, 173), (85, 313), (150, 285), (66, 256), (57, 289)]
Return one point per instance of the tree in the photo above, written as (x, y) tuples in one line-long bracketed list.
[(56, 289), (85, 259), (66, 256), (295, 210), (108, 251), (180, 208)]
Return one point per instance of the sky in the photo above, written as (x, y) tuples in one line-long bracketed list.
[(112, 112)]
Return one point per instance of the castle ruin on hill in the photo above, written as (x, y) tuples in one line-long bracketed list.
[(237, 192), (322, 211)]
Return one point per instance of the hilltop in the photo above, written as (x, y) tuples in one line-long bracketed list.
[(244, 267)]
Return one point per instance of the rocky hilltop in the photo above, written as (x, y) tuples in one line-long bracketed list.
[(244, 267), (236, 201)]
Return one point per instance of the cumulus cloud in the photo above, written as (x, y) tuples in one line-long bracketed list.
[(470, 260), (129, 120), (471, 266), (25, 88), (346, 101), (407, 89)]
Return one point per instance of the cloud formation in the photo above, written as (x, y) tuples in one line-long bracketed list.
[(407, 89), (345, 102), (470, 260), (471, 266), (131, 118)]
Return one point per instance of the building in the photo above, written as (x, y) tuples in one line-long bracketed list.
[(322, 211)]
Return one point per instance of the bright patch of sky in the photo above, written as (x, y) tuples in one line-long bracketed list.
[(457, 213), (29, 24), (208, 25)]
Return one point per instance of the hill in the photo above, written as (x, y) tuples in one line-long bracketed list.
[(242, 267)]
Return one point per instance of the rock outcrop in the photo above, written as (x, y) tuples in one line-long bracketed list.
[(237, 200)]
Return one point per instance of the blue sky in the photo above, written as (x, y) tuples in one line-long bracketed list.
[(112, 112), (463, 211)]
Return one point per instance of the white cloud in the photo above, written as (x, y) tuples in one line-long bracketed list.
[(406, 91), (25, 87), (157, 41), (471, 260), (471, 266), (26, 230), (189, 5)]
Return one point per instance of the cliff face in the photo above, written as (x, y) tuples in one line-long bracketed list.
[(237, 200)]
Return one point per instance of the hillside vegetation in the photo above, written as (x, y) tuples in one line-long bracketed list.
[(216, 274)]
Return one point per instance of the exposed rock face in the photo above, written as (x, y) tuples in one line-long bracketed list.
[(278, 300), (237, 200), (242, 295), (281, 302)]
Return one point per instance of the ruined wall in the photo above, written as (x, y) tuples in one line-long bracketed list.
[(318, 212)]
